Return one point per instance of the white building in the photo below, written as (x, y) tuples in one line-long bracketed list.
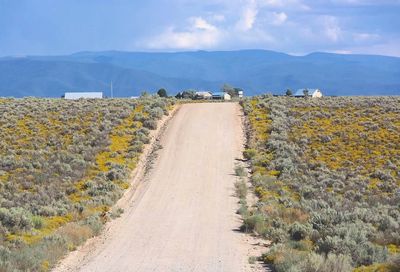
[(203, 95), (221, 96), (314, 93), (87, 95)]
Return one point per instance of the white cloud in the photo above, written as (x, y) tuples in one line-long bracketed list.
[(199, 34), (389, 47), (274, 3), (285, 4), (248, 17), (364, 2), (343, 52), (257, 36), (331, 28), (240, 23), (361, 3), (279, 18), (364, 37), (218, 17), (282, 25), (200, 23), (351, 2)]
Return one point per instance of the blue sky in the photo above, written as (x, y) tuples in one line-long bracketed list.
[(50, 27)]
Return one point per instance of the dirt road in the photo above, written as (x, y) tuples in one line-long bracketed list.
[(184, 217)]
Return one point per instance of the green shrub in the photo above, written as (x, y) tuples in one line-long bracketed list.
[(277, 235), (243, 209), (95, 223), (150, 124), (316, 157), (240, 171), (117, 212), (37, 222), (249, 153), (330, 263), (241, 189), (299, 231), (254, 223), (283, 259), (15, 219), (62, 164)]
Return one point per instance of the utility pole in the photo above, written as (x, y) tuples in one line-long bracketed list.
[(112, 92)]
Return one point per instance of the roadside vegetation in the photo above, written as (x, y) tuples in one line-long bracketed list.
[(327, 174), (63, 164)]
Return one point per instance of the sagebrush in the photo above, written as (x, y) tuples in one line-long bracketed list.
[(327, 175), (63, 164)]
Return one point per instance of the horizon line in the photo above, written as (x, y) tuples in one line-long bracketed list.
[(196, 51)]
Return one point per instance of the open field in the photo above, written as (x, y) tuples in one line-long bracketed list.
[(183, 218), (63, 164), (327, 175)]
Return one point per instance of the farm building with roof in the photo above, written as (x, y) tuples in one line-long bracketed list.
[(221, 96), (203, 95), (315, 93)]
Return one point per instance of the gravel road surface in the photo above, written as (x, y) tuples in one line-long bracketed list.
[(184, 217)]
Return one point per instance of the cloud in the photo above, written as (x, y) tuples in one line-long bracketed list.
[(365, 2), (273, 3), (299, 26), (249, 15), (349, 2), (279, 18), (200, 23), (286, 4), (331, 28), (343, 52), (389, 47), (199, 34), (218, 17), (364, 37)]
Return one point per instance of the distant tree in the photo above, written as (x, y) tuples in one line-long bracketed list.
[(188, 94), (162, 93), (227, 88), (237, 90), (232, 91), (289, 92), (144, 94), (178, 95), (305, 92)]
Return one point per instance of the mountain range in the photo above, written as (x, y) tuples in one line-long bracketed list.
[(255, 71)]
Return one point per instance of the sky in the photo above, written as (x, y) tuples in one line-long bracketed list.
[(298, 27)]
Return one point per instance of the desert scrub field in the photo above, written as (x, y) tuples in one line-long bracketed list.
[(327, 176), (63, 164)]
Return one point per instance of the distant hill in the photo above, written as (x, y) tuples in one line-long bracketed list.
[(256, 71)]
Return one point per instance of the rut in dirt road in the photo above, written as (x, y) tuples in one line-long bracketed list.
[(186, 218)]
